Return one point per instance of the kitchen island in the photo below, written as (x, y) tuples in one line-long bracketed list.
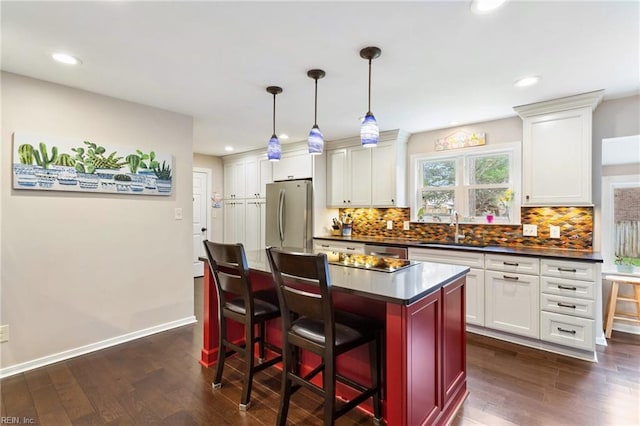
[(422, 307)]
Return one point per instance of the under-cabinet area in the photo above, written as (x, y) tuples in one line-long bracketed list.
[(540, 302)]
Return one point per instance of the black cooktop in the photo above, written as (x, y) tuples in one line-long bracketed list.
[(365, 261)]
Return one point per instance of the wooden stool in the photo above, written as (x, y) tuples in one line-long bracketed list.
[(612, 314)]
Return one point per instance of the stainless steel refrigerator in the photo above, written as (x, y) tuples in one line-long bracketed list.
[(289, 215)]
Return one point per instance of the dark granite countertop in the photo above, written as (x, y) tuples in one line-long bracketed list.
[(403, 286), (587, 256)]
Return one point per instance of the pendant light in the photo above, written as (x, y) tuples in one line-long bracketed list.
[(369, 132), (316, 141), (274, 150)]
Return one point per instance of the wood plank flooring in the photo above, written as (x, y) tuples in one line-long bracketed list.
[(157, 380)]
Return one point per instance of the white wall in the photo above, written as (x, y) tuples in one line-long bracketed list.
[(77, 268), (217, 185)]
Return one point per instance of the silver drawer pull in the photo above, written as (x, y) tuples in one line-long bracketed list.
[(324, 245), (567, 269), (351, 248), (508, 277), (566, 305), (566, 331), (510, 263), (566, 287)]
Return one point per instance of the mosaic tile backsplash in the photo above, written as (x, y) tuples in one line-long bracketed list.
[(576, 228)]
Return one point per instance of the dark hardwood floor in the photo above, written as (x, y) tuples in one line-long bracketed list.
[(157, 381)]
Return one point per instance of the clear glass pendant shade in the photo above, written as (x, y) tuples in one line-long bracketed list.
[(316, 141), (369, 132), (274, 150)]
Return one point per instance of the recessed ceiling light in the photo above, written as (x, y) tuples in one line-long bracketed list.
[(527, 81), (65, 58), (228, 148), (283, 136), (485, 6)]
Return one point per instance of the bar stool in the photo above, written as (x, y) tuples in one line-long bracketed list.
[(229, 267), (310, 323), (612, 313)]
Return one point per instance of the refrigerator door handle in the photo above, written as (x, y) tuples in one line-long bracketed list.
[(281, 215)]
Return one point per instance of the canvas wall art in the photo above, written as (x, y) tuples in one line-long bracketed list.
[(54, 164)]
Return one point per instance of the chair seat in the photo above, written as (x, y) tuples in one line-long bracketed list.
[(313, 330), (260, 307)]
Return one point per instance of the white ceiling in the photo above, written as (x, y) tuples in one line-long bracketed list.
[(213, 60)]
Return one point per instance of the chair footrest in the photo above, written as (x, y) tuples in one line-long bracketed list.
[(627, 299)]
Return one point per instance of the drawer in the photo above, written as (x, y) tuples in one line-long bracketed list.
[(569, 288), (567, 330), (518, 264), (567, 305), (341, 246), (584, 271), (451, 257)]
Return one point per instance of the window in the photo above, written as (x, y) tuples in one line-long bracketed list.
[(621, 220), (478, 183)]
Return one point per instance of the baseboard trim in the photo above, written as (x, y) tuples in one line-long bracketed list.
[(626, 328), (92, 347)]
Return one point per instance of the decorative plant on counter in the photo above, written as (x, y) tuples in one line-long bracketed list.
[(42, 158), (164, 172), (623, 264), (25, 154)]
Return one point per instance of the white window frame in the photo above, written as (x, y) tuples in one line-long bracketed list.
[(462, 179), (609, 184)]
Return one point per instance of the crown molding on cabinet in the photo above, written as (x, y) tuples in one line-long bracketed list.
[(589, 99)]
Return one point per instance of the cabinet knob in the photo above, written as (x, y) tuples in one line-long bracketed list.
[(393, 201), (527, 197), (203, 229), (344, 201)]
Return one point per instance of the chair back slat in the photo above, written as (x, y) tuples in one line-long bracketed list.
[(229, 267), (302, 282)]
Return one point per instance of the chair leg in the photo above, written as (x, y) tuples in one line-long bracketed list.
[(261, 331), (375, 363), (611, 309), (329, 385), (249, 354), (222, 336), (285, 387)]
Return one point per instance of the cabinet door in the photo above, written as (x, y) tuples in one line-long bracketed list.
[(337, 178), (293, 165), (254, 233), (454, 360), (359, 170), (475, 297), (383, 175), (252, 179), (265, 175), (557, 158), (234, 180), (512, 303), (228, 181), (234, 221)]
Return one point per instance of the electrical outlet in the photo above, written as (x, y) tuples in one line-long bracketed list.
[(554, 231), (4, 333), (530, 230), (405, 225), (177, 213), (389, 224)]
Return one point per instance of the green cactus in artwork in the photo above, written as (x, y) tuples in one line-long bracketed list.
[(65, 160), (95, 153), (164, 172), (42, 157), (151, 156), (25, 153), (133, 161), (83, 163)]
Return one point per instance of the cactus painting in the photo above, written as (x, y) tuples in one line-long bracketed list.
[(50, 163)]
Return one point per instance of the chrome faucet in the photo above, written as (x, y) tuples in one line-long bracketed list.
[(456, 222)]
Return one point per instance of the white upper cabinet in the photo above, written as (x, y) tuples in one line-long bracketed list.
[(246, 177), (293, 165), (556, 150), (367, 177), (234, 179)]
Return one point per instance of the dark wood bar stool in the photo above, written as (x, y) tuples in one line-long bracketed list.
[(310, 323), (229, 267)]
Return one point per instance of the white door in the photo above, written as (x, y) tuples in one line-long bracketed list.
[(200, 208)]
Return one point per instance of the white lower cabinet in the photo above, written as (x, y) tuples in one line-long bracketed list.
[(475, 285), (511, 303), (568, 303)]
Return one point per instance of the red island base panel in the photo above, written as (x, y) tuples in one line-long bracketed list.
[(425, 368)]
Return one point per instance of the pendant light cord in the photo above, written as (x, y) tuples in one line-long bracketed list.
[(315, 109), (369, 87), (274, 114)]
